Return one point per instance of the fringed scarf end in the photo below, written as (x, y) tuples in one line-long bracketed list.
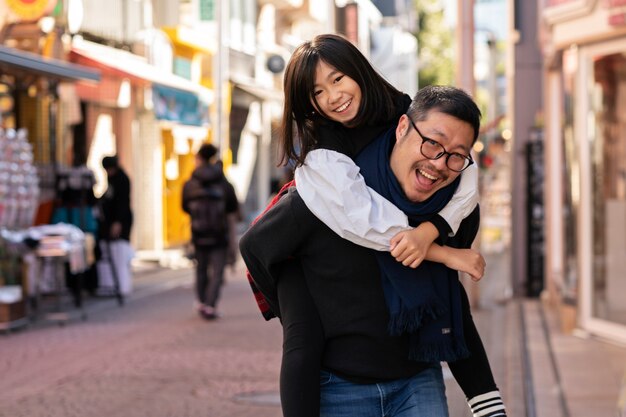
[(411, 321)]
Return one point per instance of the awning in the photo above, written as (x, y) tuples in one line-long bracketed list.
[(261, 92), (128, 65), (15, 61)]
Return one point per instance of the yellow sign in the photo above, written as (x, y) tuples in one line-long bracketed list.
[(30, 9)]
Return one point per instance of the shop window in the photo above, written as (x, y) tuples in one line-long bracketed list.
[(608, 176), (571, 192)]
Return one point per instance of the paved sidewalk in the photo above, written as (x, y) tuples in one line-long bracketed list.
[(573, 375), (540, 371)]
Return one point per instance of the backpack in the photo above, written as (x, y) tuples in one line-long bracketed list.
[(208, 215)]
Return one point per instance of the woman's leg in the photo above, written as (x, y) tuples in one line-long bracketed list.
[(473, 374), (303, 345)]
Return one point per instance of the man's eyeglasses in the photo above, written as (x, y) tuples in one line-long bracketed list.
[(432, 149)]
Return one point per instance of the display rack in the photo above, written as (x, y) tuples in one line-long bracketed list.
[(19, 198)]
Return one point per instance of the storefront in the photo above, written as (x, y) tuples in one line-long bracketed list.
[(191, 58), (155, 121), (37, 95), (585, 105), (36, 99)]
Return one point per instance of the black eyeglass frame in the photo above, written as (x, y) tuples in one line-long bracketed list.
[(449, 154)]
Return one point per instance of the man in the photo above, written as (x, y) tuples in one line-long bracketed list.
[(115, 223), (117, 216), (364, 367), (211, 202)]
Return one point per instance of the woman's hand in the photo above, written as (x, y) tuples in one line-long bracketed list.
[(410, 247), (468, 261)]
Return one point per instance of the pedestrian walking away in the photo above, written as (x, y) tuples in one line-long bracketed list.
[(212, 205)]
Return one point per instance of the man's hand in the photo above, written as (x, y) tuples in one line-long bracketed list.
[(468, 261), (410, 247)]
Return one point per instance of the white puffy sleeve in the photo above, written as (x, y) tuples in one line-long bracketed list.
[(331, 186), (463, 201)]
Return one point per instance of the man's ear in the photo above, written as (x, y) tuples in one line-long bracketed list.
[(403, 127)]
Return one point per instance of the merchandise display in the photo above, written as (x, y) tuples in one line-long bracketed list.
[(19, 183)]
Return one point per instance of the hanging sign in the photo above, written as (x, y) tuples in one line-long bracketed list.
[(30, 9)]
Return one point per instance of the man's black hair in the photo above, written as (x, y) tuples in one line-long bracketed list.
[(448, 100)]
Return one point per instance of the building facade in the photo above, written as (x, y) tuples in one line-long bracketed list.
[(584, 47)]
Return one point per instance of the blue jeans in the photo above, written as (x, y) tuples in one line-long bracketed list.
[(423, 395)]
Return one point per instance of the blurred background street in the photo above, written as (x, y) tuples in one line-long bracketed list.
[(151, 81), (155, 356)]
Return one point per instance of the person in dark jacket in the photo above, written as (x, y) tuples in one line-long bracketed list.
[(210, 201), (116, 214)]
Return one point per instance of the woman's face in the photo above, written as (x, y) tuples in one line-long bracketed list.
[(335, 95)]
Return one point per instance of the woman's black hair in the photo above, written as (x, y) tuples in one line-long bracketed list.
[(300, 115)]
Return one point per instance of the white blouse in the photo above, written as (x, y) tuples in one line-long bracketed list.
[(331, 186)]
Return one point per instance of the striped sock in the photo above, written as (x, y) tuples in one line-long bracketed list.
[(489, 404)]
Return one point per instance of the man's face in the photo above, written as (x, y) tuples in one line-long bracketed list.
[(419, 176)]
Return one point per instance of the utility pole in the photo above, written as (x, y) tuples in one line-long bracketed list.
[(465, 80), (220, 77), (492, 44), (465, 46)]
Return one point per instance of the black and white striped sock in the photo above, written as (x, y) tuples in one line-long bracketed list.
[(489, 404)]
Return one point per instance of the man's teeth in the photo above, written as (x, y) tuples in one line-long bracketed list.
[(427, 175), (343, 106)]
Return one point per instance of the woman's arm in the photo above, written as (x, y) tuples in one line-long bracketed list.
[(462, 260), (333, 189), (463, 201)]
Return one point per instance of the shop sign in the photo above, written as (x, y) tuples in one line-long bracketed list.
[(617, 12), (179, 106), (30, 9)]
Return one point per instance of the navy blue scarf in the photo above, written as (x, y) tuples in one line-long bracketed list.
[(424, 302)]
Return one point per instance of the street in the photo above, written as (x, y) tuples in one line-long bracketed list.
[(156, 357), (152, 357)]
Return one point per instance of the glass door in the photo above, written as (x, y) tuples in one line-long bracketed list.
[(604, 140)]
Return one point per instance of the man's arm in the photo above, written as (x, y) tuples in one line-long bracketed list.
[(273, 239)]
